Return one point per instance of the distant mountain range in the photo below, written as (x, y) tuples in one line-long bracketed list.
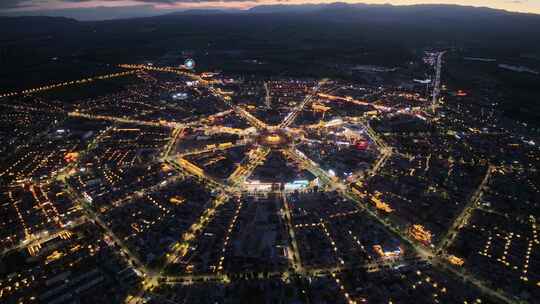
[(138, 11), (446, 18), (296, 40), (312, 25), (415, 24), (341, 7)]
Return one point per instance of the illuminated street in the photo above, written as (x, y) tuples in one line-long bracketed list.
[(192, 184)]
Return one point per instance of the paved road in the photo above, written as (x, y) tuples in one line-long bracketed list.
[(437, 83), (248, 165), (292, 116), (40, 238), (132, 258), (423, 252), (181, 248), (296, 261), (463, 218)]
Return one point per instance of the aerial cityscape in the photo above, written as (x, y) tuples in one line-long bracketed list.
[(204, 176)]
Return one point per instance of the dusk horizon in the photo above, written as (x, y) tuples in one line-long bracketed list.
[(112, 9)]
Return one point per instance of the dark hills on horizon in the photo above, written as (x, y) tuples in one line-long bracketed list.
[(296, 40), (346, 24), (280, 34), (452, 21), (336, 28), (101, 13)]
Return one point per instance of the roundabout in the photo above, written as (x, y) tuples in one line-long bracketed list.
[(274, 139)]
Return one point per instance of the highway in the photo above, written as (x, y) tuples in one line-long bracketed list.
[(175, 70), (437, 83), (123, 120), (68, 83), (267, 98)]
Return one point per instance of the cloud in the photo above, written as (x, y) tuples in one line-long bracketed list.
[(18, 4), (144, 1), (163, 1), (7, 4)]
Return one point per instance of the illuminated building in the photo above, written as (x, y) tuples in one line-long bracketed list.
[(387, 254), (258, 186), (189, 64), (273, 138), (179, 96), (361, 145), (176, 200), (419, 233), (454, 260), (191, 167), (461, 93), (166, 168), (71, 157), (380, 205), (320, 108), (296, 185)]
